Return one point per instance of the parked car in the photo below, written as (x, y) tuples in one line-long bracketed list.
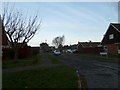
[(57, 52), (72, 51), (69, 50), (75, 51)]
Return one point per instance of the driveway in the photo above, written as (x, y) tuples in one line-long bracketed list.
[(98, 74)]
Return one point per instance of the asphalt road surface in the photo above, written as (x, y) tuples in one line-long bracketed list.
[(98, 74)]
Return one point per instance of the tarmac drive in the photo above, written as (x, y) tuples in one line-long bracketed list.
[(98, 74)]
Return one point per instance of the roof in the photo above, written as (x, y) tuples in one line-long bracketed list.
[(88, 44), (116, 26), (43, 44)]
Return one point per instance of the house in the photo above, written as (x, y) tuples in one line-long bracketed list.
[(89, 44), (71, 47), (89, 47), (44, 47), (74, 46), (52, 48), (111, 39)]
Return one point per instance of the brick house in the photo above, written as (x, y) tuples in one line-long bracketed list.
[(111, 39), (89, 47), (89, 44)]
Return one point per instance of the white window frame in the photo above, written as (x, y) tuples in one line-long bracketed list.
[(111, 36)]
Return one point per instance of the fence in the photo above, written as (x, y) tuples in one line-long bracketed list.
[(8, 53), (95, 50)]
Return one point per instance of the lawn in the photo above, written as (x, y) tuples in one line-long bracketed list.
[(22, 62), (110, 58), (54, 77), (54, 59)]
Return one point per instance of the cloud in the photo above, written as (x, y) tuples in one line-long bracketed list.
[(76, 23)]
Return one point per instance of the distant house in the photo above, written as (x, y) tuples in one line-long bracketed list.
[(89, 44), (65, 47), (89, 47), (74, 46), (44, 47), (111, 39), (52, 48)]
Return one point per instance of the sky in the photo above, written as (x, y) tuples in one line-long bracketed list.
[(77, 21)]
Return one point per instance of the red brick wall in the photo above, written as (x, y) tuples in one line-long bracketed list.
[(112, 49), (8, 53), (95, 50), (25, 53)]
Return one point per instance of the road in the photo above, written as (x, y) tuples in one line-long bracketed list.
[(98, 74)]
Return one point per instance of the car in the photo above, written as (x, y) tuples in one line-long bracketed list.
[(69, 50), (75, 51), (57, 52), (72, 51)]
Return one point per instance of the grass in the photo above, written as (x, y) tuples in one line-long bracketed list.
[(54, 77), (22, 62), (110, 58), (114, 56), (54, 59), (99, 57)]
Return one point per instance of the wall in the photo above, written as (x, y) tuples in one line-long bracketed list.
[(95, 50), (27, 52), (112, 49)]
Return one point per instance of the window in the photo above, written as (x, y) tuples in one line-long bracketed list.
[(111, 36)]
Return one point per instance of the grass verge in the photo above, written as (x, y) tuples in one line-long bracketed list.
[(109, 58), (54, 77), (101, 58), (54, 59), (22, 62)]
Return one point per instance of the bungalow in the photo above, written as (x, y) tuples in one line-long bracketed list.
[(89, 44), (89, 47), (111, 39)]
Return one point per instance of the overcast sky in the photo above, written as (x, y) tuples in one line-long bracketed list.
[(77, 21)]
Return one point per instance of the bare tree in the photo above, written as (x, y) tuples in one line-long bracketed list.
[(57, 41), (19, 29)]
